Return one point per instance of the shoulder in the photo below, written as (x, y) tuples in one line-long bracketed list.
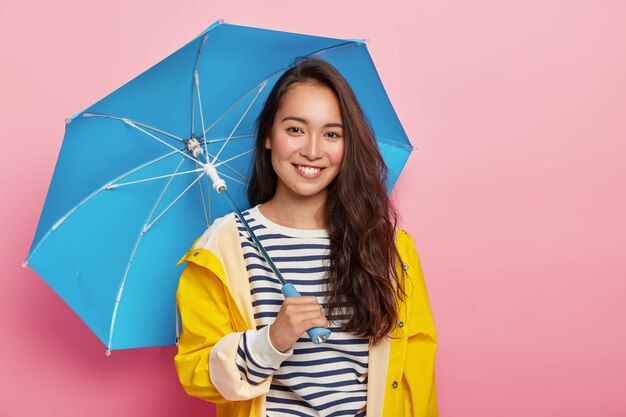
[(219, 227), (405, 244), (222, 229)]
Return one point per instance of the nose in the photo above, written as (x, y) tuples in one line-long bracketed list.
[(312, 148)]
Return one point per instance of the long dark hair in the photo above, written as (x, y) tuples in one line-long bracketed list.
[(358, 214)]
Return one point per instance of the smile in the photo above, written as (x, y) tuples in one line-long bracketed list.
[(308, 170)]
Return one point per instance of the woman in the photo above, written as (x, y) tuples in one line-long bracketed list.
[(321, 211)]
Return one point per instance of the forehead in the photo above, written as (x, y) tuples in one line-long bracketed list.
[(310, 98)]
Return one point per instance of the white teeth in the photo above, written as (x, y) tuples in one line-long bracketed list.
[(309, 170)]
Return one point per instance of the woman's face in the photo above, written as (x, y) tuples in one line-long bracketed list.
[(306, 141)]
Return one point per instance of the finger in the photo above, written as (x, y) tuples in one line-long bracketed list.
[(309, 299), (294, 309), (307, 316)]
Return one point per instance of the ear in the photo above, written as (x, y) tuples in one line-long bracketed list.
[(268, 143)]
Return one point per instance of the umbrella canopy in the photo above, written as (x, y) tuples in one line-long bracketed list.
[(129, 194)]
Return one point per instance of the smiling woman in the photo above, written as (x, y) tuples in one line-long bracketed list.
[(307, 147), (321, 211)]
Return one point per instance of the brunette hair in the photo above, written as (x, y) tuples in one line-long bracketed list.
[(358, 214)]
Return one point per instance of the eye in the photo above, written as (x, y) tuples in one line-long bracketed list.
[(294, 129), (333, 135)]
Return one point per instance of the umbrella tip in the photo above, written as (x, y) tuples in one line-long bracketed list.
[(68, 120), (25, 264), (107, 352), (220, 21)]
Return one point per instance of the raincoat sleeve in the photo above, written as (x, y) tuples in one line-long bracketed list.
[(208, 344), (419, 373)]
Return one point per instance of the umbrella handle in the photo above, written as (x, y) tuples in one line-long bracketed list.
[(317, 334)]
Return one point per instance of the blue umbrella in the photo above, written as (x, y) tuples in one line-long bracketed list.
[(130, 190)]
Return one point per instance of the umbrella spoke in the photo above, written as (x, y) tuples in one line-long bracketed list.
[(148, 226), (232, 138), (137, 126), (89, 197), (196, 81), (123, 119), (280, 71), (137, 242), (231, 108), (175, 174), (186, 155), (243, 177), (207, 216), (193, 102), (165, 189), (234, 179), (233, 157), (261, 87)]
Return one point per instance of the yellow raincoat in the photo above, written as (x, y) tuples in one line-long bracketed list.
[(216, 308)]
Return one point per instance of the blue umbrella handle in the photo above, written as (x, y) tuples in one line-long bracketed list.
[(317, 334)]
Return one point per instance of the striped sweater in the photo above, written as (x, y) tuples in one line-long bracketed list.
[(308, 380)]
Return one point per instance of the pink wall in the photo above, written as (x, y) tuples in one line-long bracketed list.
[(515, 196)]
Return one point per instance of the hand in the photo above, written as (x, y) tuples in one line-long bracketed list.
[(296, 316)]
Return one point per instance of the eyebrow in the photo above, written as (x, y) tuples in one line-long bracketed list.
[(301, 120)]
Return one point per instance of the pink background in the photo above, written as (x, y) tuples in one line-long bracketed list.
[(515, 194)]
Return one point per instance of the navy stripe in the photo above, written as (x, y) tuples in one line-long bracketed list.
[(245, 374), (331, 341), (323, 362), (267, 303), (306, 258), (318, 384), (321, 374), (245, 345), (329, 350), (268, 290), (296, 246), (289, 411), (317, 408)]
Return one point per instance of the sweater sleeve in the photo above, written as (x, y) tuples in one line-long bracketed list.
[(208, 346), (257, 358)]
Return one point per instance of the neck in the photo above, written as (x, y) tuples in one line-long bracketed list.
[(295, 211)]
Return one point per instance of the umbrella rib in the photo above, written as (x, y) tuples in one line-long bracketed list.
[(318, 52), (204, 206), (391, 142), (232, 138), (233, 170), (112, 186), (132, 124), (234, 179), (144, 230), (135, 125), (86, 199), (123, 119), (193, 102), (165, 189), (231, 108), (233, 157), (132, 256), (148, 226), (196, 78), (261, 88)]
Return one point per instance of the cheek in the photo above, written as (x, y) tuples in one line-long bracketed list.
[(336, 154)]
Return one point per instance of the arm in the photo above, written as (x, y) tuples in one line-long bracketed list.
[(207, 359)]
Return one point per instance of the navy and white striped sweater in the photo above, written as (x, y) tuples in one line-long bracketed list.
[(308, 380)]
